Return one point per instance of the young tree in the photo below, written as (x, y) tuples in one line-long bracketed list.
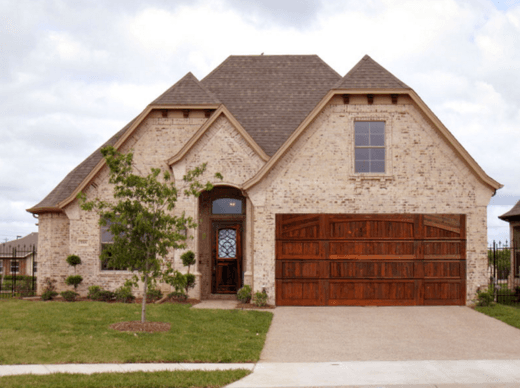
[(140, 219)]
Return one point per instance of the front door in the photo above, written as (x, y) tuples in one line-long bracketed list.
[(226, 256)]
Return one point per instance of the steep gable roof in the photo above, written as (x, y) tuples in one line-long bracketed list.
[(188, 91), (368, 74), (512, 214), (270, 95)]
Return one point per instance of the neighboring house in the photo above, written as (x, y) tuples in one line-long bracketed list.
[(18, 257), (513, 217), (337, 190)]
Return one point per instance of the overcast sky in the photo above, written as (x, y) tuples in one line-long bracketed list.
[(74, 72)]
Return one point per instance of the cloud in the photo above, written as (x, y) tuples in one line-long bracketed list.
[(73, 73)]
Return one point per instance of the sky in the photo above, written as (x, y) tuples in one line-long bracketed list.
[(72, 73)]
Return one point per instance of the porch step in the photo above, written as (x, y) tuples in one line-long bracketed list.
[(222, 297)]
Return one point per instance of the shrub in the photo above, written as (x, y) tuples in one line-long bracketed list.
[(48, 295), (74, 280), (244, 294), (188, 258), (99, 294), (153, 294), (124, 293), (260, 298), (49, 289), (69, 296), (485, 298), (73, 260)]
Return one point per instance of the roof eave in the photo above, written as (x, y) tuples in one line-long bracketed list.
[(46, 209), (415, 97)]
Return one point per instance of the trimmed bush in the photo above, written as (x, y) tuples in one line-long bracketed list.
[(124, 294), (188, 258), (49, 289), (260, 298), (244, 294), (69, 296), (73, 260), (48, 295), (74, 280)]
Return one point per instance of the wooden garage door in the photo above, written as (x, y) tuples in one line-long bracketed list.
[(370, 259)]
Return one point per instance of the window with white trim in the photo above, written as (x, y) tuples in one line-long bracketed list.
[(369, 147), (1, 266)]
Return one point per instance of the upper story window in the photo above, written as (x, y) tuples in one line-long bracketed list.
[(227, 206), (369, 146), (1, 266)]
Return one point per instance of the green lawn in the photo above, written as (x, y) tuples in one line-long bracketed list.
[(127, 380), (78, 332), (505, 313)]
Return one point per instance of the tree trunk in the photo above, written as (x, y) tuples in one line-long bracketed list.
[(143, 305)]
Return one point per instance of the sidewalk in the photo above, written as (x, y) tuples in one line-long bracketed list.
[(380, 374)]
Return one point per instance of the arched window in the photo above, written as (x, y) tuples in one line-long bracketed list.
[(226, 206)]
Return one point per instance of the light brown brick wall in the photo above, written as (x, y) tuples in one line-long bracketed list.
[(317, 176)]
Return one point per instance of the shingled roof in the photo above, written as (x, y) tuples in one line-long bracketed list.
[(270, 95), (188, 91), (513, 214), (368, 74)]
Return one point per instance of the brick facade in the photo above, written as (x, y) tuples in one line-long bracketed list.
[(424, 175)]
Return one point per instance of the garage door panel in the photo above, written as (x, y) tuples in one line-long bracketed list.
[(371, 269), (442, 269), (300, 227), (444, 226), (443, 292), (443, 250), (349, 229), (299, 293), (300, 250), (301, 269), (372, 248), (384, 293)]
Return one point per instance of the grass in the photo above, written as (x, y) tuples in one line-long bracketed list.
[(509, 314), (59, 332), (127, 380)]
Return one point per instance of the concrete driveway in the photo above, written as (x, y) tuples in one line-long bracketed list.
[(324, 334)]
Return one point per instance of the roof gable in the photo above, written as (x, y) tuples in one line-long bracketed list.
[(187, 91), (368, 74), (270, 95), (512, 214)]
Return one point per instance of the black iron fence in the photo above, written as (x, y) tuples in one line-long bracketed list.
[(504, 272), (18, 270)]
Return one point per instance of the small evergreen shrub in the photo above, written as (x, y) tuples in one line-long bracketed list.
[(260, 298), (99, 294), (244, 294), (177, 295), (74, 280), (124, 293), (153, 294), (485, 298), (69, 296), (49, 289), (188, 258), (73, 260)]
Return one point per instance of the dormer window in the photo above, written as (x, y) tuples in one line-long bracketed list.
[(369, 146)]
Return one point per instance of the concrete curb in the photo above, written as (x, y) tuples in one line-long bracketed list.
[(10, 370)]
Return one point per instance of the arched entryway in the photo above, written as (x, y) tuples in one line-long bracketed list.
[(221, 240)]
